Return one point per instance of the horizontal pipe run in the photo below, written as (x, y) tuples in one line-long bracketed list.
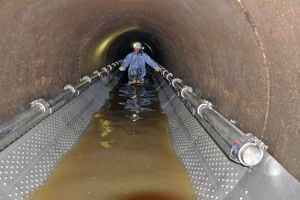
[(63, 96), (19, 120), (245, 148), (220, 124), (14, 135), (20, 124)]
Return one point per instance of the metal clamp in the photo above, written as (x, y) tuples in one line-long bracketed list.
[(104, 69), (248, 151), (176, 80), (168, 76), (109, 67), (204, 104), (164, 71), (97, 73), (70, 87), (186, 88), (258, 142), (233, 122), (42, 104), (86, 78)]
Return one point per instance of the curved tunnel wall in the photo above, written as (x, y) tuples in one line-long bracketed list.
[(241, 55)]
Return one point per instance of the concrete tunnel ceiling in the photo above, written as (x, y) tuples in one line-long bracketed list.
[(242, 55)]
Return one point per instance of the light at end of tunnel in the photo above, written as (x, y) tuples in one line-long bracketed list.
[(104, 44)]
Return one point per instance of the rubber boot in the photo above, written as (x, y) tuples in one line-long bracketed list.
[(139, 75), (131, 75)]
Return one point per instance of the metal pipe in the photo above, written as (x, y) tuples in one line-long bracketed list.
[(19, 120), (229, 132), (10, 137), (40, 109), (244, 148), (65, 95)]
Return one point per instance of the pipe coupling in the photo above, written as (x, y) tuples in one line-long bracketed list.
[(176, 80), (170, 75), (248, 151), (97, 73), (86, 78), (109, 67), (184, 89), (164, 72), (203, 105), (104, 69), (42, 104), (70, 87)]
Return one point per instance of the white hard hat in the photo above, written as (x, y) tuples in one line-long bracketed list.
[(137, 45)]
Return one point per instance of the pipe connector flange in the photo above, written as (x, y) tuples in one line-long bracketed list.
[(170, 75), (104, 69), (184, 89), (176, 80), (86, 78), (97, 73), (70, 87), (204, 104), (42, 104)]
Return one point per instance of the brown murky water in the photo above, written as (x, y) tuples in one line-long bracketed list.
[(125, 154)]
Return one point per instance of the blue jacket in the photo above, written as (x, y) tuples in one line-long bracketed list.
[(134, 61)]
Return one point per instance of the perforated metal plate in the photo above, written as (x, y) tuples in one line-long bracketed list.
[(212, 174), (27, 163)]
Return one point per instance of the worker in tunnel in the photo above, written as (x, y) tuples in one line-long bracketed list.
[(136, 61)]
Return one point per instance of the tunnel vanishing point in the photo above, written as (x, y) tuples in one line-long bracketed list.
[(241, 55)]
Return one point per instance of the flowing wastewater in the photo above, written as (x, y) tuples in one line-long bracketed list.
[(124, 154)]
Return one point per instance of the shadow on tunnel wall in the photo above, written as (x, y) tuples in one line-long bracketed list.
[(241, 55)]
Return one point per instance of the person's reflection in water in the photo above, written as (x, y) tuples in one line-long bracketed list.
[(139, 99)]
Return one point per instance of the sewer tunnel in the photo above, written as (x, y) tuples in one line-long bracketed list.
[(243, 56)]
